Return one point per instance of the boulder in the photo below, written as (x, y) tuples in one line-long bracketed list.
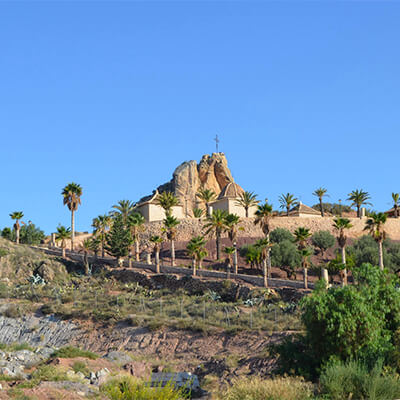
[(118, 357)]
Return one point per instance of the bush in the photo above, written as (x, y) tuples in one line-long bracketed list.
[(270, 389), (278, 235), (285, 256), (128, 388), (73, 352), (352, 380), (323, 240)]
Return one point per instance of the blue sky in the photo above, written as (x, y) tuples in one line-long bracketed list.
[(114, 95)]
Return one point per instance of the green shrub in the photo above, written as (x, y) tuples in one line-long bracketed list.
[(352, 380), (323, 240), (73, 352), (80, 366), (269, 389), (278, 235), (128, 388), (48, 373)]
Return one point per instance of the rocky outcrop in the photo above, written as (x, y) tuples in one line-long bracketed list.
[(212, 172)]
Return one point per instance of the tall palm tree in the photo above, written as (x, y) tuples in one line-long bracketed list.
[(232, 222), (263, 218), (358, 198), (247, 200), (157, 240), (135, 223), (170, 224), (207, 196), (167, 200), (72, 198), (341, 224), (264, 246), (63, 234), (396, 199), (302, 235), (374, 225), (101, 225), (287, 201), (17, 216), (197, 251), (305, 262), (216, 224), (124, 208), (320, 193)]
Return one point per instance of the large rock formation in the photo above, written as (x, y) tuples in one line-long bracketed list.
[(211, 173)]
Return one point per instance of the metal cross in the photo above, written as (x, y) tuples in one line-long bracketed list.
[(216, 142)]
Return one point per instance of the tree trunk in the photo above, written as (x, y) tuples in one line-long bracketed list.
[(228, 270), (217, 242), (194, 266), (322, 207), (265, 272), (172, 253), (158, 261), (247, 211), (287, 211), (235, 262), (86, 262), (137, 254), (72, 229), (305, 276), (380, 255), (325, 276), (343, 250), (359, 211), (17, 235), (63, 252), (102, 248)]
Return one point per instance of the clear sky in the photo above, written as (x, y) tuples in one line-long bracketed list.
[(114, 95)]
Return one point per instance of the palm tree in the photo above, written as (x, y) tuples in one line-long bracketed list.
[(232, 221), (287, 201), (86, 246), (17, 216), (396, 199), (341, 224), (375, 225), (167, 200), (170, 224), (305, 262), (207, 196), (197, 251), (358, 198), (198, 212), (72, 198), (157, 240), (229, 251), (263, 218), (264, 246), (301, 235), (136, 222), (101, 225), (124, 208), (63, 234), (247, 200), (216, 223), (320, 193)]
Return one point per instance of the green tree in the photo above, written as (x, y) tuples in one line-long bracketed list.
[(284, 254), (323, 240), (232, 222), (278, 235), (124, 208), (207, 196), (396, 199), (136, 224), (264, 246), (6, 233), (229, 251), (170, 224), (118, 239), (302, 235), (72, 199), (157, 240), (247, 200), (196, 249), (359, 198), (216, 224), (287, 201), (251, 254), (63, 234), (320, 193), (17, 216), (341, 225), (30, 234), (95, 244), (167, 200), (374, 225), (101, 225)]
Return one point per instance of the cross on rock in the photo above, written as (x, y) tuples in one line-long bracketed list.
[(216, 142)]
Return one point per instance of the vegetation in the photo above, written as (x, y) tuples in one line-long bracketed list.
[(216, 224), (124, 208), (136, 224), (359, 198), (396, 200), (101, 225), (287, 201), (17, 216), (196, 249), (320, 193), (119, 239), (167, 200), (157, 240), (170, 224), (375, 225), (63, 234), (341, 225), (206, 196), (323, 240), (74, 352), (72, 199), (247, 200)]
